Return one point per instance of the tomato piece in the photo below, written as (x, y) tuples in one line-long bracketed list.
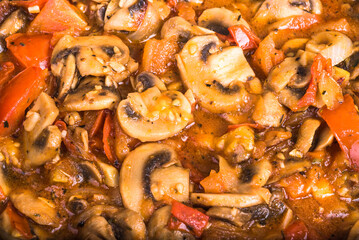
[(107, 138), (58, 16), (300, 22), (244, 37), (98, 123), (190, 216), (296, 231), (6, 69), (266, 55), (30, 50), (175, 224), (343, 121), (17, 95), (295, 186), (18, 222), (29, 3)]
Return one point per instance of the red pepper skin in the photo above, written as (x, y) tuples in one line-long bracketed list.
[(244, 37), (190, 216), (296, 231)]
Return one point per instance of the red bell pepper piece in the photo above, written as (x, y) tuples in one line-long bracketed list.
[(18, 222), (321, 68), (6, 69), (28, 3), (107, 138), (343, 121), (17, 95), (30, 50), (190, 216), (296, 231), (244, 37)]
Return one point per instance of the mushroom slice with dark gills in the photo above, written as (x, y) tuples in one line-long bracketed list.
[(158, 230), (110, 223), (74, 58), (13, 23), (146, 80), (215, 73), (42, 141), (220, 19), (150, 172), (91, 94), (153, 115), (273, 10), (141, 19)]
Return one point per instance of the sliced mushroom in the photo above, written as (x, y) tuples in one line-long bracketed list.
[(233, 215), (91, 94), (268, 111), (354, 231), (110, 174), (257, 174), (110, 223), (215, 74), (89, 170), (157, 227), (42, 141), (220, 19), (331, 44), (13, 23), (305, 138), (137, 172), (326, 138), (73, 58), (146, 80), (141, 19), (273, 10), (40, 210), (181, 30), (152, 115)]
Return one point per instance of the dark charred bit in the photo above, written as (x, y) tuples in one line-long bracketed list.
[(205, 51), (131, 113), (227, 90), (154, 161), (247, 174), (146, 80), (42, 139), (108, 50), (218, 28), (65, 53), (138, 7)]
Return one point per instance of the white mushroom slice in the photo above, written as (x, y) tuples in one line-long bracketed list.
[(305, 137), (179, 28), (157, 226), (268, 111), (233, 215), (215, 74), (220, 19), (42, 141), (152, 115), (68, 76), (136, 171), (257, 174), (146, 80), (110, 174), (273, 10), (39, 210), (91, 94), (13, 23), (226, 199), (333, 45), (326, 138), (354, 232), (141, 18)]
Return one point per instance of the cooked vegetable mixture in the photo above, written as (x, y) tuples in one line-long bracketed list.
[(179, 119)]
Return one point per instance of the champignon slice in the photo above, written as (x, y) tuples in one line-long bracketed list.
[(146, 80), (257, 174), (91, 94), (179, 29), (13, 23), (114, 223), (152, 115), (215, 73), (354, 232), (268, 111), (157, 226), (305, 138), (274, 10), (42, 141), (326, 138), (136, 171), (232, 215), (110, 174), (220, 19), (40, 210), (141, 19), (90, 55), (331, 44), (226, 199)]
